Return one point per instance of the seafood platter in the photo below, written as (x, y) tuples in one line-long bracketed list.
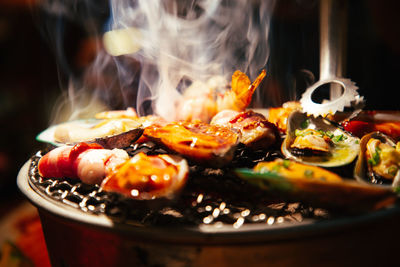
[(219, 174)]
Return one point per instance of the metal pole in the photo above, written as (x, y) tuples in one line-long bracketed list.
[(333, 30)]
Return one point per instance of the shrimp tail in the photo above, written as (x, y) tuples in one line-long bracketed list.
[(242, 91)]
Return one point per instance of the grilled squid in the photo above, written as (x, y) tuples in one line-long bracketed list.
[(88, 162), (255, 131)]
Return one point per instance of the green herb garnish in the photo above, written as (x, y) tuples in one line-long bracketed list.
[(339, 138), (308, 173), (375, 157), (329, 134), (286, 163), (321, 133), (392, 170), (276, 168)]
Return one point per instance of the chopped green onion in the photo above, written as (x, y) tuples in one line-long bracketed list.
[(375, 157), (286, 163), (329, 134), (338, 138), (322, 133), (276, 168), (392, 170), (308, 173)]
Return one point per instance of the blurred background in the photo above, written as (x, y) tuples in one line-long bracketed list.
[(34, 72)]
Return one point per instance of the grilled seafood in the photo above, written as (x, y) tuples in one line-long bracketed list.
[(202, 101), (317, 141), (379, 160), (361, 128), (129, 113), (148, 177), (87, 162), (199, 142), (316, 186), (311, 141), (279, 115), (110, 133), (255, 131), (382, 158), (293, 170)]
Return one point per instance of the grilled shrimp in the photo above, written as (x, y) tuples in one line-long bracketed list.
[(202, 101), (239, 97)]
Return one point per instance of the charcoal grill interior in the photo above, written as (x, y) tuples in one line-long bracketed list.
[(212, 197)]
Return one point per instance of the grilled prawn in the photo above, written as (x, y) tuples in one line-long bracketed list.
[(202, 101)]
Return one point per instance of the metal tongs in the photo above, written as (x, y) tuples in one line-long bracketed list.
[(343, 92)]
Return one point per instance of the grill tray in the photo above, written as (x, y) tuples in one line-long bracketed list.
[(212, 197)]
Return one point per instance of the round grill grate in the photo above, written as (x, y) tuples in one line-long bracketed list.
[(211, 197)]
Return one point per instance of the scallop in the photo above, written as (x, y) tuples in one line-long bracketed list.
[(378, 161), (318, 142), (110, 133), (145, 177)]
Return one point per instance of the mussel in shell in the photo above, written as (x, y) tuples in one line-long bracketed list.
[(379, 160), (318, 141), (316, 186)]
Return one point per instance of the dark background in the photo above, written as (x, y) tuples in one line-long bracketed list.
[(32, 78)]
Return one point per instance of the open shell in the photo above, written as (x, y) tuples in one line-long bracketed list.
[(361, 172), (91, 131), (316, 186), (342, 153), (146, 177)]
